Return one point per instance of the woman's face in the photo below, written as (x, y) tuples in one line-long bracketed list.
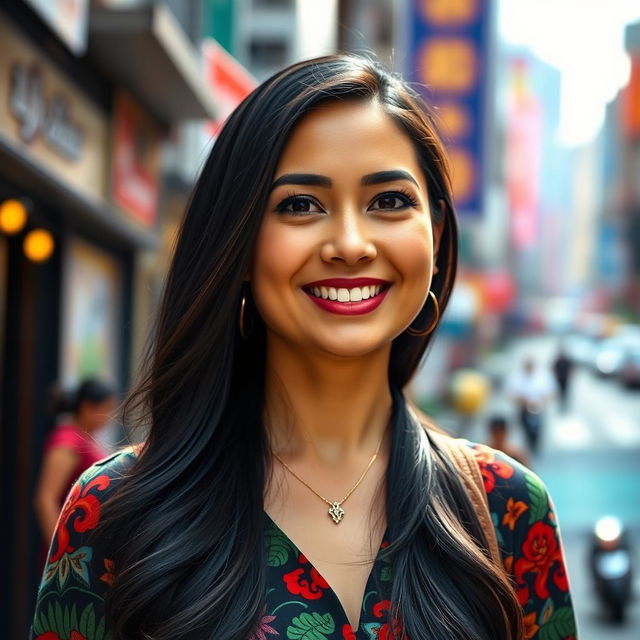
[(94, 415), (345, 254)]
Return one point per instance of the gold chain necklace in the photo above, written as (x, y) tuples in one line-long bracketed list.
[(335, 508)]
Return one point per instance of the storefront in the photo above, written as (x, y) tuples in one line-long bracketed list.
[(80, 196)]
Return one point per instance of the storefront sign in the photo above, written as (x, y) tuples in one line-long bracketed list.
[(39, 115), (45, 117), (447, 54), (135, 175), (230, 82)]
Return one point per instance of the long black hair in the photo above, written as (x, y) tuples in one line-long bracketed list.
[(185, 528)]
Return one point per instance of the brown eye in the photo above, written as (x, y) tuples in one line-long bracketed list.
[(389, 202), (393, 201), (298, 205)]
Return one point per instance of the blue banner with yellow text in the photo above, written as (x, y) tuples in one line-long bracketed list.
[(447, 46)]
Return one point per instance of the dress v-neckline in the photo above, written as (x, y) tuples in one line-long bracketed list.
[(330, 589)]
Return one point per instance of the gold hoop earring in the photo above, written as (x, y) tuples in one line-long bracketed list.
[(243, 303), (434, 322)]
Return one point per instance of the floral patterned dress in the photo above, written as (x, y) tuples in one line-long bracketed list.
[(299, 603)]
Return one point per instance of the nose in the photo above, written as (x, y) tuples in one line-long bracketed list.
[(350, 241)]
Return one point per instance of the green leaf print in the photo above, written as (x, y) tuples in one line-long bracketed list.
[(538, 503), (66, 622), (74, 617), (100, 630), (63, 622), (311, 626), (59, 619), (88, 622), (561, 624), (385, 574), (37, 625), (278, 547)]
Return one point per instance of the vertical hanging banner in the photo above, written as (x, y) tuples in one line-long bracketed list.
[(447, 47)]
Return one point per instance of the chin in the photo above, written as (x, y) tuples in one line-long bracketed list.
[(352, 346)]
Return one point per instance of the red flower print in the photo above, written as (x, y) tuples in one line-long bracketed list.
[(514, 510), (560, 578), (78, 499), (490, 467), (541, 552), (309, 589), (380, 607), (108, 576), (384, 633), (50, 635), (522, 593), (347, 632), (530, 626)]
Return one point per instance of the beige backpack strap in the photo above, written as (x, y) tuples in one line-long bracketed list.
[(466, 463)]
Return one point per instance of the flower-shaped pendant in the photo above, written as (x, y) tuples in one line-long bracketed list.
[(336, 512)]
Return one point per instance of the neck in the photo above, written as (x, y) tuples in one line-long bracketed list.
[(328, 409)]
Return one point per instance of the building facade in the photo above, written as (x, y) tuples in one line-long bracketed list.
[(89, 101)]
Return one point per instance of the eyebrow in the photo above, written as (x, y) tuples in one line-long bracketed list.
[(315, 180)]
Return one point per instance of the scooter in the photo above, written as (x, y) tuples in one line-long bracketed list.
[(611, 566)]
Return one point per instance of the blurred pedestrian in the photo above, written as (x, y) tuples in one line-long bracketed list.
[(499, 439), (531, 389), (313, 264), (71, 448), (562, 368)]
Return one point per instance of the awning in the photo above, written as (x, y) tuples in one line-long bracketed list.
[(146, 50), (81, 212)]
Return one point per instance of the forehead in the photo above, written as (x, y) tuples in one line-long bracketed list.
[(358, 137)]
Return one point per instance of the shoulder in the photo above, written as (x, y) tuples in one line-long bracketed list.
[(98, 482), (78, 573), (503, 476), (521, 507), (114, 465)]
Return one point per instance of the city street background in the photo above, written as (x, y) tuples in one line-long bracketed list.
[(108, 110)]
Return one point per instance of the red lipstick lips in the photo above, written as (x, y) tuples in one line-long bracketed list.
[(348, 308)]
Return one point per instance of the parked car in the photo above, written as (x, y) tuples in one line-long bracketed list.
[(610, 355), (630, 371)]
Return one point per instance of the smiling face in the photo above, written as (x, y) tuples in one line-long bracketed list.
[(345, 253)]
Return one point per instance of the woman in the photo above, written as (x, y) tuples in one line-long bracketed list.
[(285, 488), (69, 450)]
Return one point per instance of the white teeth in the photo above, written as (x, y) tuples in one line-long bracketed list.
[(347, 295)]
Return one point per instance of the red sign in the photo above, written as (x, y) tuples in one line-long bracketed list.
[(523, 158), (136, 161), (228, 79), (630, 103)]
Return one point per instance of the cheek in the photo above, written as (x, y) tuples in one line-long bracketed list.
[(280, 253), (411, 249)]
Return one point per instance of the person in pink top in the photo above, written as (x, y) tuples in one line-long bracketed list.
[(70, 449)]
